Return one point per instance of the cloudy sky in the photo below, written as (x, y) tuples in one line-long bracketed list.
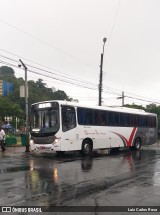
[(61, 42)]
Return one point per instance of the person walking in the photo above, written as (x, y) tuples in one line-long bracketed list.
[(2, 139)]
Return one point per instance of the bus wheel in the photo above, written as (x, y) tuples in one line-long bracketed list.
[(86, 148), (137, 144)]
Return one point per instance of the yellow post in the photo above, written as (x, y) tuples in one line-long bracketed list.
[(1, 82)]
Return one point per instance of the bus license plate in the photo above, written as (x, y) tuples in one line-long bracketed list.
[(42, 147)]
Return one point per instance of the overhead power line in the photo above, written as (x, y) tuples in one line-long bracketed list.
[(76, 83), (46, 43), (66, 76), (73, 81)]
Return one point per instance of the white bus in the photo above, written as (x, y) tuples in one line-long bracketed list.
[(67, 126)]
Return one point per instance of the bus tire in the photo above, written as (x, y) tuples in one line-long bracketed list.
[(86, 148), (137, 144)]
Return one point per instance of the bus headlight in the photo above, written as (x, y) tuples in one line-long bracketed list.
[(56, 140), (31, 142)]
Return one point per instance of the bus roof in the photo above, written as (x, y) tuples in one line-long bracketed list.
[(109, 108)]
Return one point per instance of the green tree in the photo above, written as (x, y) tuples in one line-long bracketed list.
[(40, 83), (135, 106), (8, 108), (6, 71), (13, 105)]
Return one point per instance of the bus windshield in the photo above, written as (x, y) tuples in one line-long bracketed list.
[(45, 121)]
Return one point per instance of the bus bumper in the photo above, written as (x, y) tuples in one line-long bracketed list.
[(48, 147), (36, 147), (44, 147)]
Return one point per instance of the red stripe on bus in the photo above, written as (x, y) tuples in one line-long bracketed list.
[(128, 142)]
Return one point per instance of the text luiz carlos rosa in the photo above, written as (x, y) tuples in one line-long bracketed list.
[(141, 209)]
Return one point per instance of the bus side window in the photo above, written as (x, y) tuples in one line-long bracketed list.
[(142, 121), (116, 119), (128, 120), (96, 118), (122, 119), (136, 120), (152, 121), (72, 119), (68, 118), (89, 116), (125, 119), (104, 120), (113, 118), (85, 116), (80, 116)]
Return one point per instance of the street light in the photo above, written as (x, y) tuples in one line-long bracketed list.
[(101, 74), (26, 104)]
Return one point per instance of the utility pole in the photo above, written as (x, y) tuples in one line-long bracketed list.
[(26, 105), (122, 97), (101, 75)]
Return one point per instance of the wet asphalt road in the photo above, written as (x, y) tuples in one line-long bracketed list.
[(121, 179)]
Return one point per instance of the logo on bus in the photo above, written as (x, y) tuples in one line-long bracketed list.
[(124, 139)]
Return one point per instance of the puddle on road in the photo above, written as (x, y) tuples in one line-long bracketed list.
[(58, 180), (14, 169)]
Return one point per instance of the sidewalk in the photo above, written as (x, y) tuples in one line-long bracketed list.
[(14, 150)]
